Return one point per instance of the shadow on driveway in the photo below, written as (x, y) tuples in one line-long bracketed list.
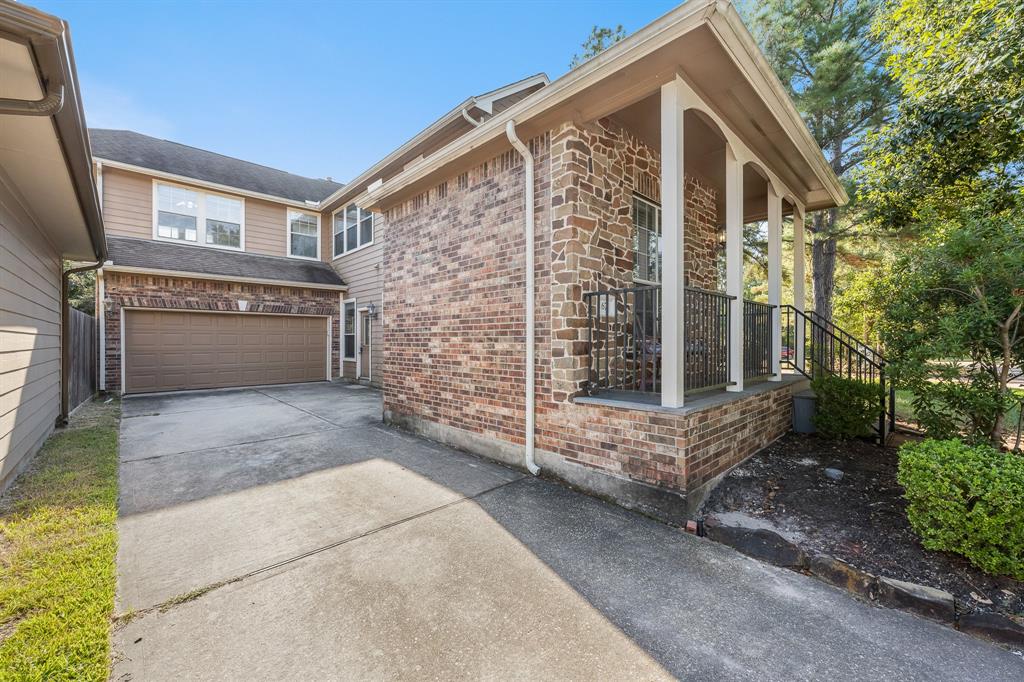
[(340, 548)]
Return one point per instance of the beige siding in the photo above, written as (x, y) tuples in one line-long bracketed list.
[(127, 204), (29, 338), (128, 212), (266, 228), (363, 272)]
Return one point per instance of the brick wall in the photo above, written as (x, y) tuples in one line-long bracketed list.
[(453, 348), (154, 291)]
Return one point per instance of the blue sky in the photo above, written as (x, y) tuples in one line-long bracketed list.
[(315, 88)]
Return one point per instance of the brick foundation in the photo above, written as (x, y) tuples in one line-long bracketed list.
[(178, 293), (453, 344)]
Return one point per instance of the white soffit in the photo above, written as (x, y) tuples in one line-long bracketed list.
[(32, 162)]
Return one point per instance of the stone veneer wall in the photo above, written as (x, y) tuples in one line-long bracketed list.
[(453, 348), (178, 293), (595, 172)]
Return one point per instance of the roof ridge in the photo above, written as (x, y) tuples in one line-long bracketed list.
[(223, 156)]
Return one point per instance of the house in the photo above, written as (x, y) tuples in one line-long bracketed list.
[(552, 278), (224, 273), (49, 211), (215, 276), (550, 274)]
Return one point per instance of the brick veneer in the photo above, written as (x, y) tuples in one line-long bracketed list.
[(154, 291), (453, 342)]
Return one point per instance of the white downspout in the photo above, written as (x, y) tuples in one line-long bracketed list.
[(528, 232)]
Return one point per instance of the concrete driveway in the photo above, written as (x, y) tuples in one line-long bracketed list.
[(284, 533)]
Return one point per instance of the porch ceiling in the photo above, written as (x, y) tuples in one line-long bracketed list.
[(704, 155)]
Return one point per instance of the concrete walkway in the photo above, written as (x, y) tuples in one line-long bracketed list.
[(285, 534)]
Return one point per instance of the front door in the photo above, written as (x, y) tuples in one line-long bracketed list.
[(364, 345)]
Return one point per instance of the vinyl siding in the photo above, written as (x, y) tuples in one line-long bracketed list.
[(127, 204), (29, 338), (128, 212), (362, 271)]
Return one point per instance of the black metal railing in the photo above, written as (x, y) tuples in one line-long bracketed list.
[(625, 338), (814, 346), (706, 316), (757, 339)]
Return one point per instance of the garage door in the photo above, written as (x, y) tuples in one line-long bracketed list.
[(170, 350)]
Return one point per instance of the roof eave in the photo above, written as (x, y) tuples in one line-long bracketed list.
[(729, 30), (357, 186), (132, 269), (734, 36), (50, 40), (307, 204)]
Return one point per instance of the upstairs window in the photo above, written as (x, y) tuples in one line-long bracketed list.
[(353, 229), (177, 214), (303, 234), (187, 215), (646, 241), (223, 221)]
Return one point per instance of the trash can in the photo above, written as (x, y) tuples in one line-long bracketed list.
[(804, 405)]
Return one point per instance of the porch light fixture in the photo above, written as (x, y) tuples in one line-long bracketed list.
[(371, 311)]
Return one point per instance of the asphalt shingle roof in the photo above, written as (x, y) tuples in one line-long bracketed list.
[(156, 255), (136, 149)]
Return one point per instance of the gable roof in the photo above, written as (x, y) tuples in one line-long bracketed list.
[(702, 42), (126, 146), (449, 127), (148, 254)]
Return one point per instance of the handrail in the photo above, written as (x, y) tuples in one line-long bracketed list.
[(853, 359), (820, 319)]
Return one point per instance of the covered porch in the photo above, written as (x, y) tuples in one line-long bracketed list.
[(676, 327)]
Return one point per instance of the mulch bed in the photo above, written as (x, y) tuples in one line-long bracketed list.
[(859, 519)]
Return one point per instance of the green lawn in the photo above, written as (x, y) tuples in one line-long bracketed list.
[(58, 541), (905, 410)]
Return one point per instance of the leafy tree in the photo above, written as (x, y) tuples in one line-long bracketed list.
[(858, 306), (599, 40), (959, 129), (834, 68), (82, 290), (953, 328)]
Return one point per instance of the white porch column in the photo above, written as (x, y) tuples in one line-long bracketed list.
[(775, 278), (734, 264), (672, 290), (799, 259)]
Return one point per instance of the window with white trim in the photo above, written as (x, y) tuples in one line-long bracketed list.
[(646, 241), (188, 215), (348, 330), (303, 234), (353, 228)]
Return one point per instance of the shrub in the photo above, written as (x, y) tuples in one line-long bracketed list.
[(966, 499), (846, 408)]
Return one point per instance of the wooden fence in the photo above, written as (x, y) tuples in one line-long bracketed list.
[(82, 377)]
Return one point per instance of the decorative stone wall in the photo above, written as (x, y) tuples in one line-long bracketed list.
[(454, 346), (595, 172), (178, 293)]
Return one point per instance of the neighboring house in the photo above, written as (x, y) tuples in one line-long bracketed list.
[(215, 276), (652, 376), (226, 273), (49, 211)]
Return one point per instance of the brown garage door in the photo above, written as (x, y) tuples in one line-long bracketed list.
[(170, 350)]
